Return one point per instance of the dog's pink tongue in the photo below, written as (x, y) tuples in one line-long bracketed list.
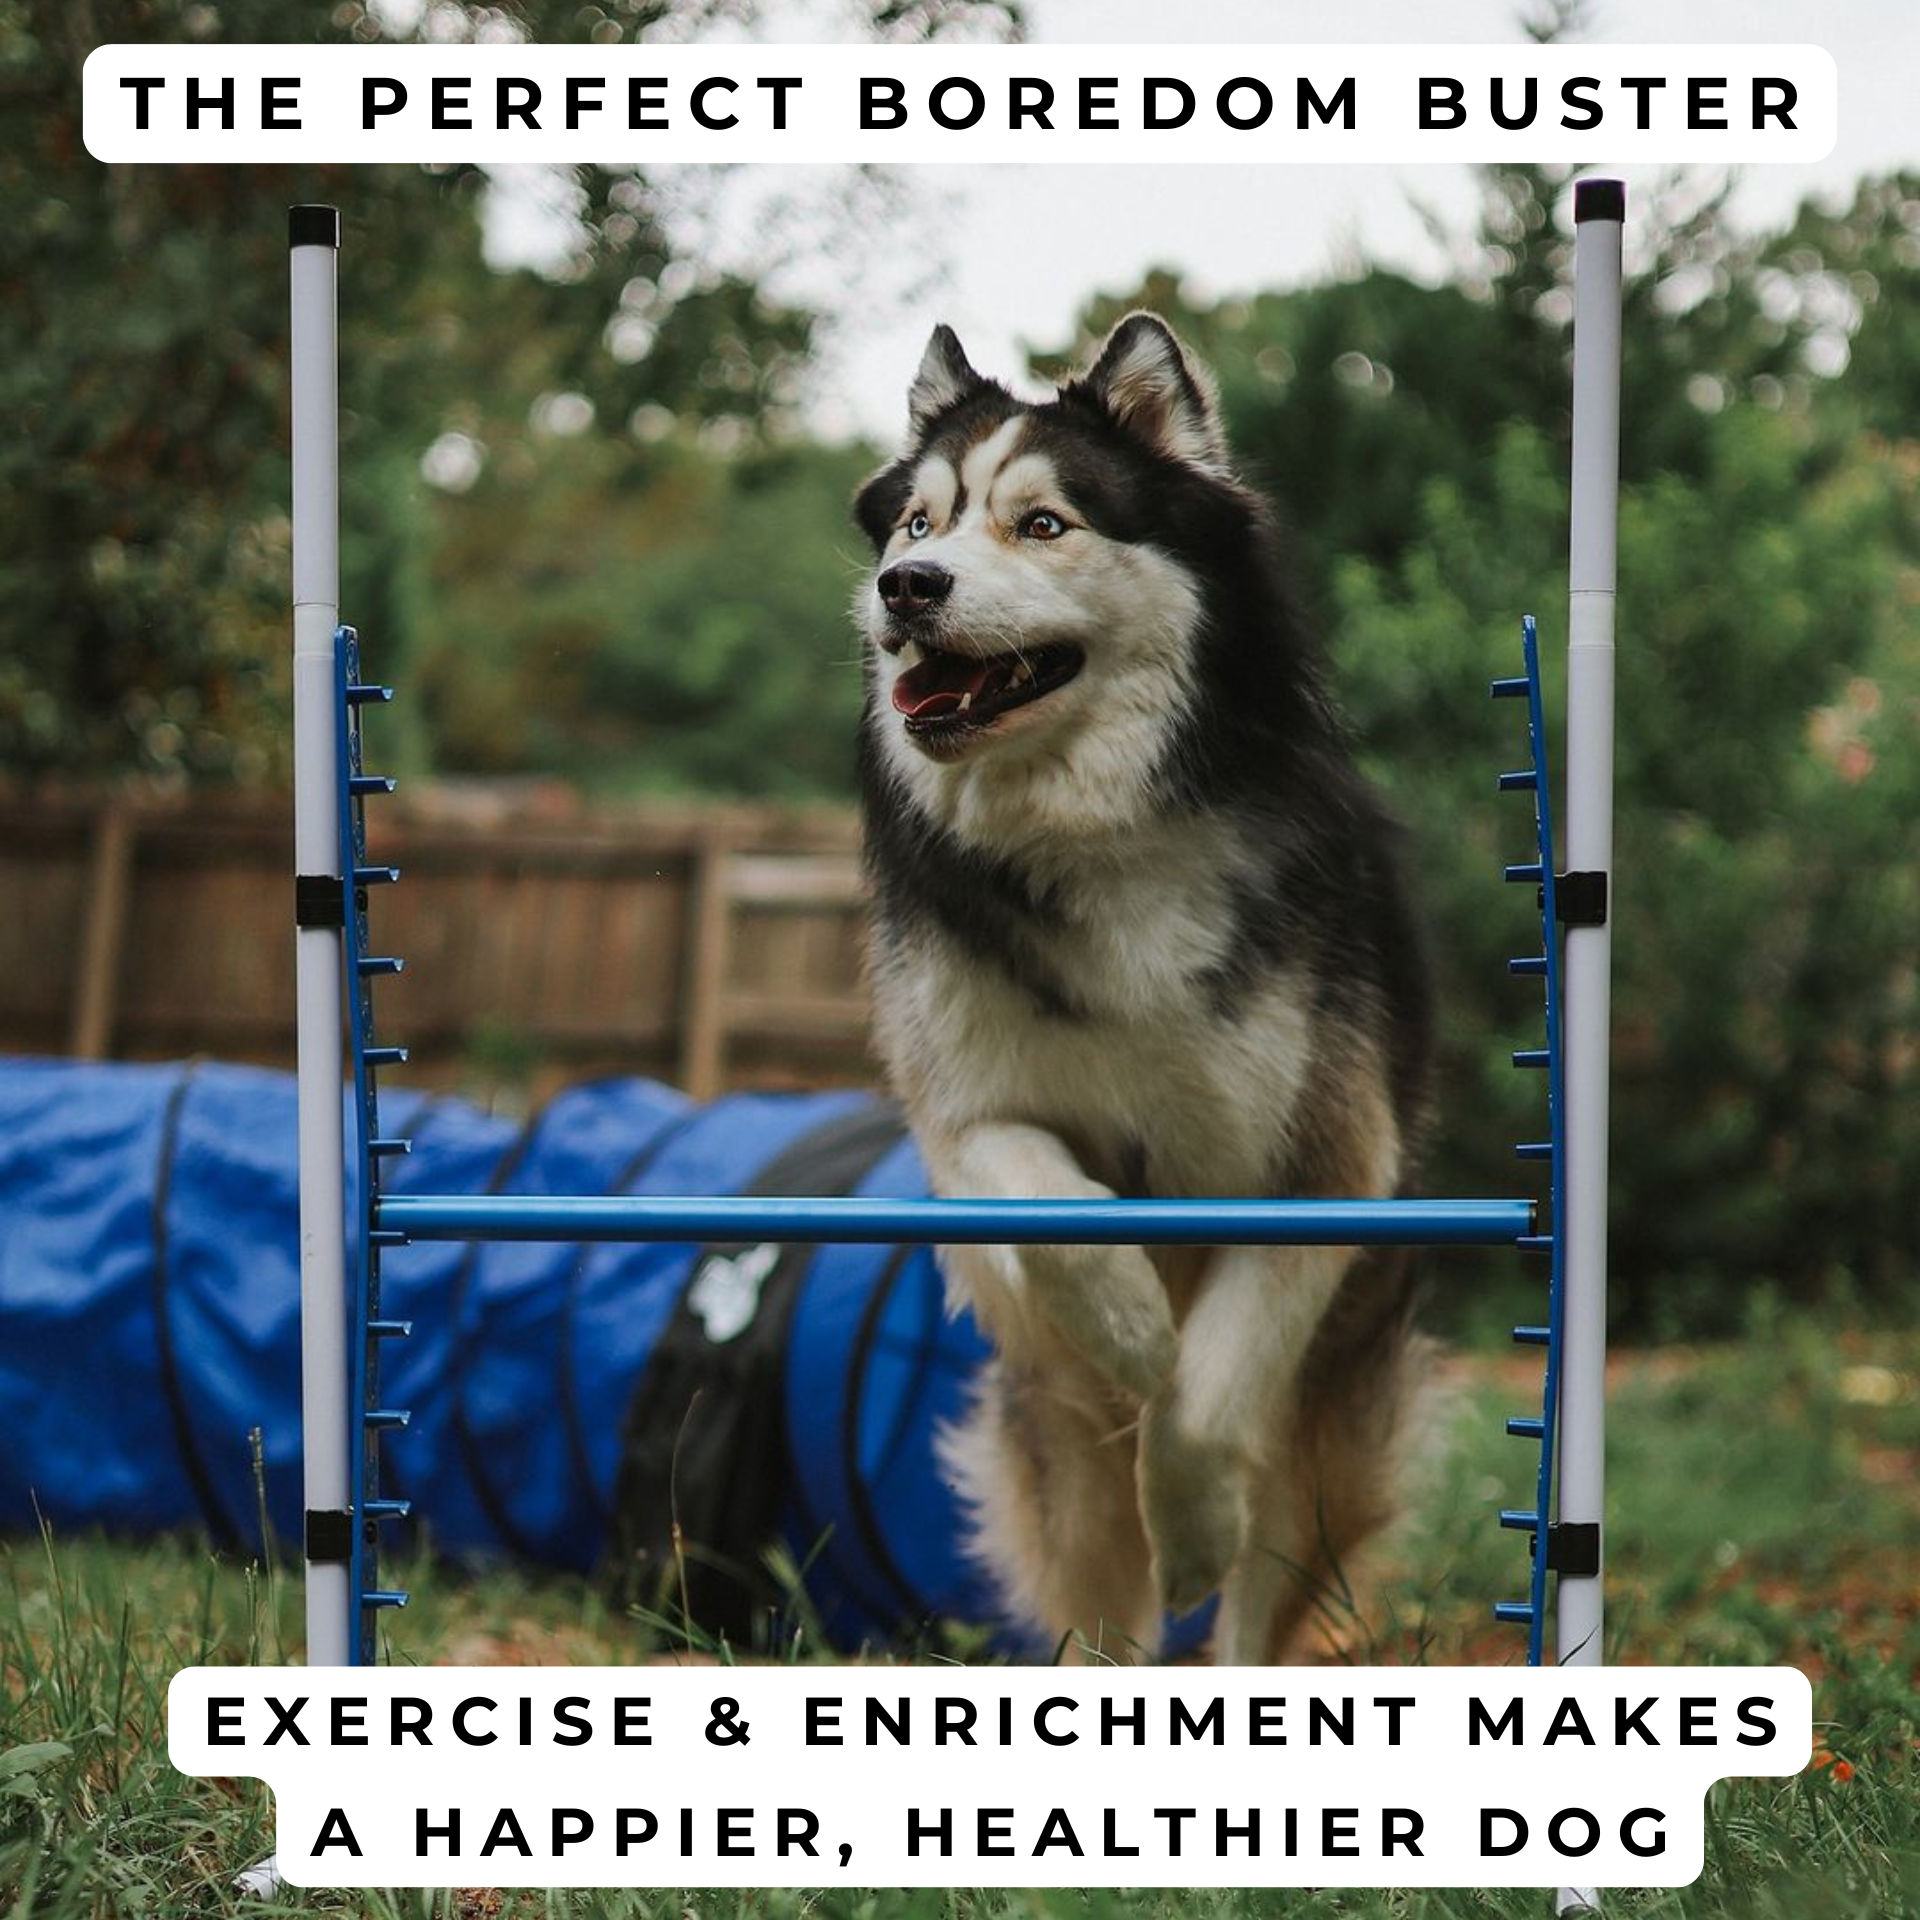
[(938, 684)]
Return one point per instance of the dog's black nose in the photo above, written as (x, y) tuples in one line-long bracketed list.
[(914, 586)]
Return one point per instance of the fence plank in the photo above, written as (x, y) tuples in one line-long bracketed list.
[(708, 953), (103, 931)]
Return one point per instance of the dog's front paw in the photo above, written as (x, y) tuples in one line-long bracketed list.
[(1195, 1498), (1108, 1303)]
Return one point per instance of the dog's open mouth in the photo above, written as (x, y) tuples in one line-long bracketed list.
[(946, 695)]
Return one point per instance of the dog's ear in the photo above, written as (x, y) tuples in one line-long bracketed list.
[(945, 378), (1144, 381)]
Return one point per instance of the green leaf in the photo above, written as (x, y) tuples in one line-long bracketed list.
[(34, 1757)]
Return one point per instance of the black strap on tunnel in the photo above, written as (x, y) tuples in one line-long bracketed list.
[(704, 1470), (212, 1508), (912, 1609)]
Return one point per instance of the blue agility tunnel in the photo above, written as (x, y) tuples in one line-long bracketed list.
[(565, 1399)]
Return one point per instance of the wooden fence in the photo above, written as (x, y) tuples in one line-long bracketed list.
[(716, 947)]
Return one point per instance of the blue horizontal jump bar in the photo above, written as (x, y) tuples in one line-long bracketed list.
[(1204, 1223)]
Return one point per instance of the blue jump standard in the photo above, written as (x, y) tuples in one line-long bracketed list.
[(1103, 1223)]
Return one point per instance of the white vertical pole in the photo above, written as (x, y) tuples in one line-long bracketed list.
[(1599, 209), (314, 240)]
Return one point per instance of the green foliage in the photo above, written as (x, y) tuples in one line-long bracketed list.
[(1766, 851), (672, 624), (143, 374)]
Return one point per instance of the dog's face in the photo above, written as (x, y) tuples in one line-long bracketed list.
[(1028, 619)]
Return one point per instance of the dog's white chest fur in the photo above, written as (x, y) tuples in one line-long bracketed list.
[(1141, 1061)]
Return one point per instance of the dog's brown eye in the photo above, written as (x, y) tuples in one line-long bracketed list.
[(1042, 524), (919, 527)]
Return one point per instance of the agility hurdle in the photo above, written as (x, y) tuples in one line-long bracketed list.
[(343, 1330)]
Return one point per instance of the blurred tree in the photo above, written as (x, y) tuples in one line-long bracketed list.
[(142, 342), (1768, 842), (1406, 383), (1838, 298), (672, 624)]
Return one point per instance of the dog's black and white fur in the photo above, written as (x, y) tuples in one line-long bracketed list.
[(1139, 930)]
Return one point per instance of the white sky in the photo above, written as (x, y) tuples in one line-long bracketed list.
[(1007, 255)]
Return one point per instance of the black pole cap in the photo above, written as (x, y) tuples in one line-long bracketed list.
[(313, 226), (1599, 200)]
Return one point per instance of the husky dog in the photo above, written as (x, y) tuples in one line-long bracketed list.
[(1139, 931)]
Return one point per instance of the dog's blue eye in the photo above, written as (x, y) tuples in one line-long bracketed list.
[(1043, 525), (919, 527)]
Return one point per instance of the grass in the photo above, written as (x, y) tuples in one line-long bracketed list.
[(1766, 1503)]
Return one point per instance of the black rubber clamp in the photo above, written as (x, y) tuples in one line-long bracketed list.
[(319, 900), (312, 226), (1599, 200), (1580, 898), (1573, 1549), (329, 1536)]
